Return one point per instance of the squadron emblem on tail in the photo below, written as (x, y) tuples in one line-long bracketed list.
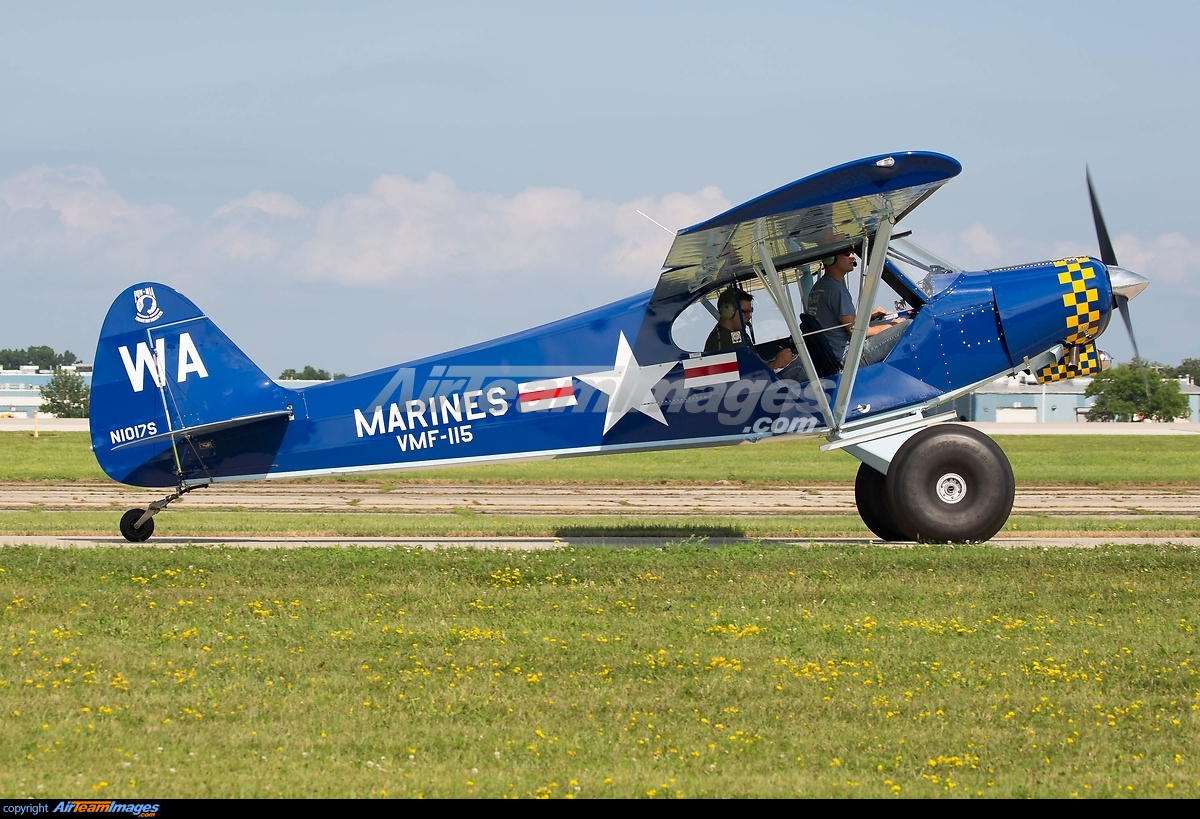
[(146, 306)]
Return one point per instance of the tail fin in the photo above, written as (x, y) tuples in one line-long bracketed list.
[(162, 367)]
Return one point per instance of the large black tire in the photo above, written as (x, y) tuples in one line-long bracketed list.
[(131, 532), (950, 484), (870, 495)]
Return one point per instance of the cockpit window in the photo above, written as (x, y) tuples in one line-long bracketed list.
[(925, 272), (693, 325), (913, 274)]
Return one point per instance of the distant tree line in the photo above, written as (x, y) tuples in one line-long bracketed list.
[(1140, 391), (1189, 368), (66, 395), (309, 373), (44, 358)]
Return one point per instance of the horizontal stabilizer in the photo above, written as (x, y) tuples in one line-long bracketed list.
[(206, 429)]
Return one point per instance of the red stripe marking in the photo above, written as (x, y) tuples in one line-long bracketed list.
[(542, 395), (711, 369)]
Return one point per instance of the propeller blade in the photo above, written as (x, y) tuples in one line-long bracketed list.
[(1107, 255), (1123, 306)]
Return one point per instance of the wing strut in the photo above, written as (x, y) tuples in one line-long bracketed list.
[(858, 336), (770, 278)]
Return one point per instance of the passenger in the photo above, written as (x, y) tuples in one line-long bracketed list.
[(734, 328)]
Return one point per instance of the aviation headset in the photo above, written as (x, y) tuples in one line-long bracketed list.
[(828, 260), (727, 302)]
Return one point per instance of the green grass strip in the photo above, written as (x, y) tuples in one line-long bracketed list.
[(1100, 460), (744, 671), (203, 523)]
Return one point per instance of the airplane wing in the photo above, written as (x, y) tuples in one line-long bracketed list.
[(805, 220)]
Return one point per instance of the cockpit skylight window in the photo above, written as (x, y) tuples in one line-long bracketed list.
[(925, 271)]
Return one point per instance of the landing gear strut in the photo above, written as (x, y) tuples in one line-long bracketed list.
[(137, 525)]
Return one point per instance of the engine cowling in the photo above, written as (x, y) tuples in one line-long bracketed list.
[(1067, 302)]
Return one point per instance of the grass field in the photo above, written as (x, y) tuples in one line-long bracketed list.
[(747, 670), (1037, 459), (927, 671), (184, 522)]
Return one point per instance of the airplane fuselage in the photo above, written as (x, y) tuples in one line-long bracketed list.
[(607, 380)]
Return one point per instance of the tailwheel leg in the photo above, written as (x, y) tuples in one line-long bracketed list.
[(137, 525)]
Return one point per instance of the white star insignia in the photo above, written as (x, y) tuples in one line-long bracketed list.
[(629, 386)]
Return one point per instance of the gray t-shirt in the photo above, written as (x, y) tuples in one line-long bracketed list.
[(828, 301)]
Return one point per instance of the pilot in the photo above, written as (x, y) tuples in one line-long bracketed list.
[(735, 310), (832, 308)]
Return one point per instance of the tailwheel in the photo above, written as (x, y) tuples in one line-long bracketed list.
[(950, 483), (870, 496), (131, 531), (137, 524)]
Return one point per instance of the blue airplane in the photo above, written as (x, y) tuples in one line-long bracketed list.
[(176, 404)]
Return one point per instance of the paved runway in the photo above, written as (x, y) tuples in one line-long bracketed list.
[(718, 499), (573, 500)]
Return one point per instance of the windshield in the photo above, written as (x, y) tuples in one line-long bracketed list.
[(926, 272)]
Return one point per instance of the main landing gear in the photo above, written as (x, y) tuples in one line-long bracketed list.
[(137, 525), (947, 483)]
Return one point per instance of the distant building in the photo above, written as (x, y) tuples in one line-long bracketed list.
[(1021, 399), (21, 389)]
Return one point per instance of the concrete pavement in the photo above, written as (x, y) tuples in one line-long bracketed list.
[(534, 544), (571, 500)]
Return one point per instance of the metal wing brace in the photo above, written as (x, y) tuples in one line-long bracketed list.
[(876, 253), (862, 319)]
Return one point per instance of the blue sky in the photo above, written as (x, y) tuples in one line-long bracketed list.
[(356, 187)]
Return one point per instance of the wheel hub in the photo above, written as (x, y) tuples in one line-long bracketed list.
[(951, 488)]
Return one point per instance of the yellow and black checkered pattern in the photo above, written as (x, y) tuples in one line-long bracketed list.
[(1086, 362), (1081, 299)]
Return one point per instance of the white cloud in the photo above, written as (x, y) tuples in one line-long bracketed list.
[(975, 248), (398, 230), (644, 245), (484, 264), (258, 226), (402, 229), (272, 204), (55, 212), (982, 243), (478, 264), (1170, 259)]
